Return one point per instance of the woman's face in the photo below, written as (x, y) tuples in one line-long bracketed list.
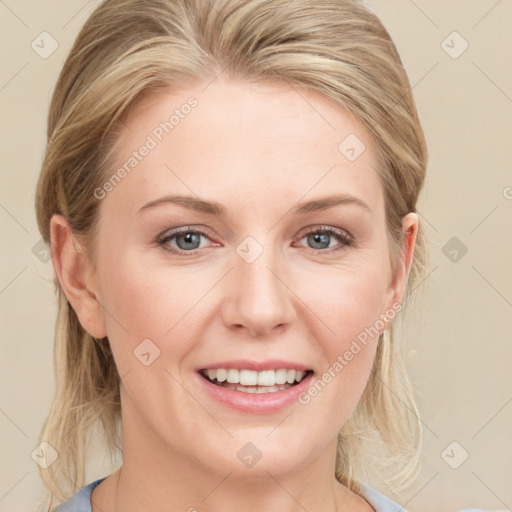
[(218, 249)]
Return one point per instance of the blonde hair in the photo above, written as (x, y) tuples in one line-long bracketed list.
[(131, 48)]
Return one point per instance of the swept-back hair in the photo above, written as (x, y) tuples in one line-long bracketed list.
[(131, 48)]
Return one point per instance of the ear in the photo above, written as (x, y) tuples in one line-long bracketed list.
[(396, 291), (76, 278)]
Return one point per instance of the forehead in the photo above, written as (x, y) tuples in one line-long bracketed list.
[(245, 142)]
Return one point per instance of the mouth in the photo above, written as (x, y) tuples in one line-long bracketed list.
[(251, 381)]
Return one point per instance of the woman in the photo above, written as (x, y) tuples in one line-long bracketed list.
[(229, 191)]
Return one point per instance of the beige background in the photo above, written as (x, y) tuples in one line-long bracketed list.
[(460, 361)]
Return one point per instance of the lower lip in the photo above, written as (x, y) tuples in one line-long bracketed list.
[(256, 402)]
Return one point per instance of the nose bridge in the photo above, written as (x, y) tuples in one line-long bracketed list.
[(260, 301)]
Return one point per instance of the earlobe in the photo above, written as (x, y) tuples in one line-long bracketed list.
[(74, 272)]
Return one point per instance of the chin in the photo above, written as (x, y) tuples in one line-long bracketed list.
[(256, 456)]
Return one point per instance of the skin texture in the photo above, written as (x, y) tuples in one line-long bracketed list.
[(259, 150)]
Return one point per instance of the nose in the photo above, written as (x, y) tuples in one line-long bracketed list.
[(258, 299)]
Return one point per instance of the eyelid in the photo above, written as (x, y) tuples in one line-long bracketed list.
[(328, 229), (344, 238), (174, 233)]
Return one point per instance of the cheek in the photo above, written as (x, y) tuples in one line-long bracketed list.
[(346, 324), (150, 326), (346, 301), (143, 303)]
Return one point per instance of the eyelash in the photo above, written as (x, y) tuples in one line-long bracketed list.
[(342, 237)]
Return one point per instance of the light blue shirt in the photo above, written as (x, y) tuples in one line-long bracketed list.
[(81, 501)]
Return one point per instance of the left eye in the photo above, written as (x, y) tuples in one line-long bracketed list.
[(321, 238)]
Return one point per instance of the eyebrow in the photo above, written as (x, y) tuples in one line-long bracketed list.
[(215, 208)]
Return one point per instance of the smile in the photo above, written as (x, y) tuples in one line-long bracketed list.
[(251, 381)]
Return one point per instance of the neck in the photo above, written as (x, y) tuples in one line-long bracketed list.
[(177, 484), (155, 476)]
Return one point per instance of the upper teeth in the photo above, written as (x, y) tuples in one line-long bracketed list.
[(253, 378)]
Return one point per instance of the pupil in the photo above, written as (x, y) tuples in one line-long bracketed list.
[(320, 238), (189, 238)]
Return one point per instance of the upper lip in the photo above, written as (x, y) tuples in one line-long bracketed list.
[(259, 366)]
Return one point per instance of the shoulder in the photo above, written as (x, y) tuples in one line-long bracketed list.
[(81, 501), (382, 503)]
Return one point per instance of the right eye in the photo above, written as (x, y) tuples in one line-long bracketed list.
[(187, 241)]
